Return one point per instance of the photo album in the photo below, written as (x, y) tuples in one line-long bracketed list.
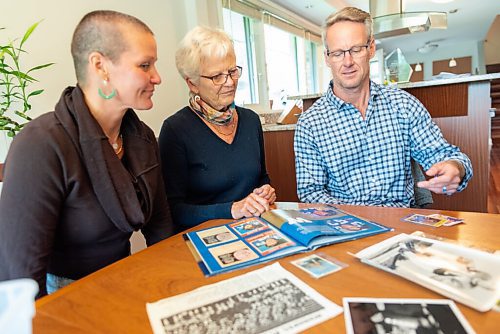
[(467, 275), (292, 229)]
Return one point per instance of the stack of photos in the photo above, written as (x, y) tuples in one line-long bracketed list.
[(467, 275)]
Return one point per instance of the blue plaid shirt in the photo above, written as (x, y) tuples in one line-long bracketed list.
[(341, 158)]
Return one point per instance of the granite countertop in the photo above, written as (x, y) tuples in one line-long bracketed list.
[(278, 127), (455, 80)]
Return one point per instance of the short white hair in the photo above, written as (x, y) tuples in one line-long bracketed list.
[(201, 43)]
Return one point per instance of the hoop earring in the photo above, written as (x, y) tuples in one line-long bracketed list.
[(104, 96)]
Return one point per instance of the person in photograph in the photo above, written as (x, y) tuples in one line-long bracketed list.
[(219, 237), (274, 241), (349, 228), (356, 143), (239, 255), (98, 178), (212, 151), (464, 279), (402, 250), (252, 225)]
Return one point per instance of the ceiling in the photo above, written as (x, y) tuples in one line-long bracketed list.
[(470, 23)]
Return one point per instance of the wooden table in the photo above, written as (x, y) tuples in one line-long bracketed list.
[(113, 300)]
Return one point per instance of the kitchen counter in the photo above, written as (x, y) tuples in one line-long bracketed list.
[(455, 80)]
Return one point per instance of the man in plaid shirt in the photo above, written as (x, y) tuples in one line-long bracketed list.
[(355, 144)]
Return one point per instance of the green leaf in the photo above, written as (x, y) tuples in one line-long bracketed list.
[(28, 33), (23, 76), (36, 92), (22, 115), (8, 50), (40, 67)]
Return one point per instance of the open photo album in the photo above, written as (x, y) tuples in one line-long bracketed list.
[(469, 276), (278, 233)]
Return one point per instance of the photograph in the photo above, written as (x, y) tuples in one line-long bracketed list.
[(448, 220), (248, 226), (466, 275), (422, 316), (216, 235), (424, 220), (232, 253), (269, 242), (316, 265)]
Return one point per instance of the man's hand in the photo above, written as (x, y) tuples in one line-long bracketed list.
[(446, 177)]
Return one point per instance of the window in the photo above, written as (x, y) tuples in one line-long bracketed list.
[(276, 62), (281, 63), (239, 28)]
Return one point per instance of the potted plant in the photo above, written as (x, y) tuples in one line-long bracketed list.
[(15, 93)]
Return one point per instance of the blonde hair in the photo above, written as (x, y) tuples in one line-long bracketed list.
[(350, 14), (199, 44)]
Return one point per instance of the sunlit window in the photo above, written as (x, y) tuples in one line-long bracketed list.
[(288, 64), (239, 27)]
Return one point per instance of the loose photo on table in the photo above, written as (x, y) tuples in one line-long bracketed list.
[(381, 316)]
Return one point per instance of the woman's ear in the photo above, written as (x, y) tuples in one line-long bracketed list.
[(192, 87), (97, 64)]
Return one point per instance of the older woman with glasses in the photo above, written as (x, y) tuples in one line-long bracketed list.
[(212, 151)]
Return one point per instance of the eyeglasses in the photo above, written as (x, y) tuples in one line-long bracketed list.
[(356, 51), (221, 78)]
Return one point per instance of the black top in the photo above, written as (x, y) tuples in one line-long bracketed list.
[(68, 204), (203, 174)]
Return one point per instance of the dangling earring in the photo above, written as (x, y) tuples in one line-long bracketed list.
[(104, 96)]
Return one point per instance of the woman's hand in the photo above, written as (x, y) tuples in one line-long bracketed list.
[(251, 206), (267, 192)]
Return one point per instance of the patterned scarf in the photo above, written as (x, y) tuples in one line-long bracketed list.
[(211, 115)]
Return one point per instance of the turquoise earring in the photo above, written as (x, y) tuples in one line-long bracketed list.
[(104, 96)]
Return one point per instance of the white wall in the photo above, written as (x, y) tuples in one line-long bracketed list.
[(169, 20)]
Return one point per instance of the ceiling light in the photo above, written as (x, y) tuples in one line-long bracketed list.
[(452, 62), (418, 68), (427, 48)]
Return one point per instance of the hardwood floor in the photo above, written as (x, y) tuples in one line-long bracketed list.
[(494, 187)]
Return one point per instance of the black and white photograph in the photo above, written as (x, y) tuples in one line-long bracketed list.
[(409, 316), (267, 300), (467, 275)]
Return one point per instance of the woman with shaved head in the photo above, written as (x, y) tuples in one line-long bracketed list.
[(78, 181)]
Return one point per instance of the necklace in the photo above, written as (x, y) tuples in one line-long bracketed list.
[(232, 125), (118, 145)]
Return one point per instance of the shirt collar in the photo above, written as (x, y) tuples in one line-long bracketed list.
[(337, 102)]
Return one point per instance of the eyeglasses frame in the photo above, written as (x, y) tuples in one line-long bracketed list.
[(366, 46), (238, 70)]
